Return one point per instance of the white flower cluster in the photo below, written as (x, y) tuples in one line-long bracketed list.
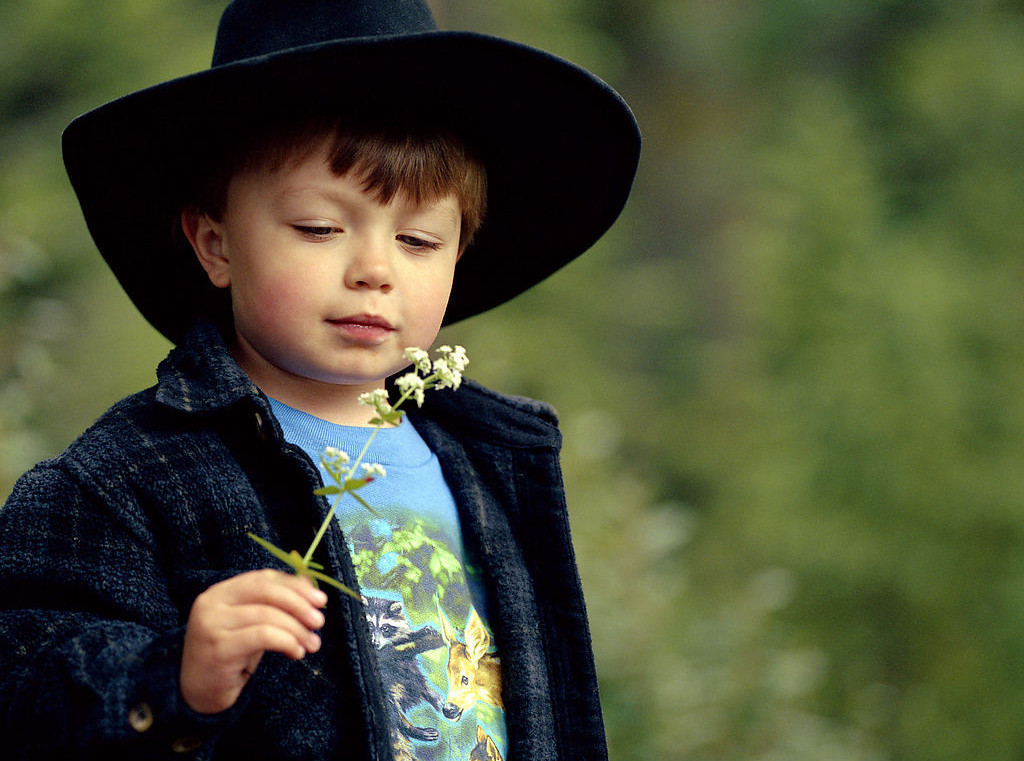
[(412, 386), (374, 470), (336, 456), (419, 358), (449, 366), (336, 463), (443, 372), (378, 399)]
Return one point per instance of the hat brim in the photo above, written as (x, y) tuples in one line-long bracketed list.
[(560, 146)]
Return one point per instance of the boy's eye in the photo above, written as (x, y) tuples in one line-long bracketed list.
[(419, 244), (317, 231)]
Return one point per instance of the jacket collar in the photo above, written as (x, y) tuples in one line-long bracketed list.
[(200, 375), (475, 412)]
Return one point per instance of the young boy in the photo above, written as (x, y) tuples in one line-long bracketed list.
[(344, 179)]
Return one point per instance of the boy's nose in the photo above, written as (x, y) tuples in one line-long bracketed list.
[(369, 268)]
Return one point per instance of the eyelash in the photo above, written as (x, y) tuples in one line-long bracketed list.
[(420, 243), (317, 231), (322, 232)]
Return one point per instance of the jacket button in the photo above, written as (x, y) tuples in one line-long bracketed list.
[(140, 717), (186, 744), (261, 426)]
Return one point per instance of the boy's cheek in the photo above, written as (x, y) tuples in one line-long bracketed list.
[(273, 294)]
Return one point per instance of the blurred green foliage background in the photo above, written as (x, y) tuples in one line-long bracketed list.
[(790, 378)]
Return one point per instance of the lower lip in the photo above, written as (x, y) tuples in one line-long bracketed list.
[(360, 333)]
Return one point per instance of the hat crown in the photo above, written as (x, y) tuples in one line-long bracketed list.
[(251, 28)]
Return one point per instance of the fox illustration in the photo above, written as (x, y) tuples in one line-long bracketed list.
[(485, 749), (473, 673)]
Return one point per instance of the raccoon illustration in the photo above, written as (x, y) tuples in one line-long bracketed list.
[(397, 649), (387, 621)]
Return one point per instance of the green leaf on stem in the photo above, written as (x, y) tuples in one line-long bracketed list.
[(366, 504), (310, 570)]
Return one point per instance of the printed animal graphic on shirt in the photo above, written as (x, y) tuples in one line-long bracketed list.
[(485, 749), (408, 554), (398, 647), (387, 621), (474, 674)]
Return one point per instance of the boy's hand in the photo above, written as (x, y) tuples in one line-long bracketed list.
[(234, 622)]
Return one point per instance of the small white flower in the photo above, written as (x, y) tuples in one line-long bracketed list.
[(373, 398), (457, 358), (374, 470), (336, 456), (412, 385), (378, 399), (449, 366), (447, 376), (419, 358)]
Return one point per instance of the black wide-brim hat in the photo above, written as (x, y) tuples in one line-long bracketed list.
[(560, 146)]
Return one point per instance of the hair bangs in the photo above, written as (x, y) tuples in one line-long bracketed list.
[(425, 166)]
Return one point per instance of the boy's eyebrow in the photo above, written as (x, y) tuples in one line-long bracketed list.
[(302, 192), (290, 191), (330, 194), (450, 213)]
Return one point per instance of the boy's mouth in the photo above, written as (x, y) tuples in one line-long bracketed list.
[(363, 328)]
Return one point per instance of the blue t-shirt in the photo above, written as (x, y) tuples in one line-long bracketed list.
[(424, 600)]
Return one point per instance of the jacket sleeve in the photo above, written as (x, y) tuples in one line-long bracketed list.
[(90, 639)]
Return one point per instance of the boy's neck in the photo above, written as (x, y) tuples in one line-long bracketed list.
[(340, 411), (335, 403)]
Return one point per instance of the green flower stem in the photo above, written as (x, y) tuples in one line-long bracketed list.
[(302, 567), (344, 487), (322, 530)]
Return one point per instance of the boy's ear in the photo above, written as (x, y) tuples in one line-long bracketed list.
[(207, 239)]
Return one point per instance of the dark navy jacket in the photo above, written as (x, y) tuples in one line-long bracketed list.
[(104, 549)]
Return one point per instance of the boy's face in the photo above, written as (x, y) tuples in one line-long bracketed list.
[(328, 286)]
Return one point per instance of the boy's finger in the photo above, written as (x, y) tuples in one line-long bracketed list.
[(272, 588), (269, 579), (262, 637), (288, 602), (305, 586), (243, 616)]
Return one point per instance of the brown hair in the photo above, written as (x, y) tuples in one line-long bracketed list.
[(425, 165)]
